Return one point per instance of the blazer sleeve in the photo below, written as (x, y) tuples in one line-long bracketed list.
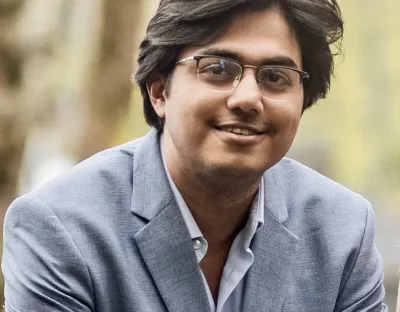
[(42, 266), (363, 286)]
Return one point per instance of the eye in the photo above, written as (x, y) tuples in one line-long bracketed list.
[(274, 76), (214, 69)]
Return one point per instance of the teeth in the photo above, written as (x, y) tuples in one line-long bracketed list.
[(239, 131)]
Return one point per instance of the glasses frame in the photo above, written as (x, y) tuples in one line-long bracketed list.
[(303, 75)]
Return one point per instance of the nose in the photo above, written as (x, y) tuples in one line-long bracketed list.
[(246, 96)]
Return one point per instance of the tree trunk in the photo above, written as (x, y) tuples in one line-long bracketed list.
[(110, 85)]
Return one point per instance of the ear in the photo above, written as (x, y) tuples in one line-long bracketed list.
[(156, 85)]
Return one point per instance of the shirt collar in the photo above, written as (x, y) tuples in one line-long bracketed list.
[(186, 214)]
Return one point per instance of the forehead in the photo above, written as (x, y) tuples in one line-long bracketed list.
[(255, 37)]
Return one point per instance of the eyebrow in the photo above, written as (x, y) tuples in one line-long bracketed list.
[(280, 60)]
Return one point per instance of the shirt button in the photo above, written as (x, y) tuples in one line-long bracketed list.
[(196, 244)]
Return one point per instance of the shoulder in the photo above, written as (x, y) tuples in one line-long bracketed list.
[(100, 183), (335, 228), (109, 167), (300, 182), (313, 199), (70, 229), (328, 217)]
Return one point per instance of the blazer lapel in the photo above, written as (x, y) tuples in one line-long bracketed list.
[(274, 248), (168, 252), (164, 242)]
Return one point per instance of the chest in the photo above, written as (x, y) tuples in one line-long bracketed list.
[(212, 266)]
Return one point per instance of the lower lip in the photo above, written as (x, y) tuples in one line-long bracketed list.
[(239, 139)]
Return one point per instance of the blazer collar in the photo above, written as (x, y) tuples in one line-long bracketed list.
[(274, 200), (151, 190), (167, 250), (274, 248), (164, 242)]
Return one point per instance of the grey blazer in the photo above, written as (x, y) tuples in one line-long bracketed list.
[(107, 236)]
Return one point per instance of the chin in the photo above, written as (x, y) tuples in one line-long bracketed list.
[(236, 168)]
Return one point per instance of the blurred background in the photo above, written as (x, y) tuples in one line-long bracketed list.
[(65, 93)]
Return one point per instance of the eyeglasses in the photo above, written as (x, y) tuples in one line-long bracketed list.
[(277, 83)]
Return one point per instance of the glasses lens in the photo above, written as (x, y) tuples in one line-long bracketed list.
[(278, 83), (218, 74)]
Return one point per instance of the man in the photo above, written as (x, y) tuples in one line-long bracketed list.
[(205, 213)]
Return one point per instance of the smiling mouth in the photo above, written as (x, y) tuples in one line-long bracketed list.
[(239, 131)]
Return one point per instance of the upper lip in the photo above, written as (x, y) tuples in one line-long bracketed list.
[(251, 128)]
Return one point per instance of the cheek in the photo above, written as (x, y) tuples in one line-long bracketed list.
[(292, 124), (293, 113), (194, 106), (287, 121), (287, 115)]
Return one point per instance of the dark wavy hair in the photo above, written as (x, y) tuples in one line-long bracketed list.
[(177, 24)]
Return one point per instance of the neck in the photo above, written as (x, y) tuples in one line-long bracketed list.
[(219, 206)]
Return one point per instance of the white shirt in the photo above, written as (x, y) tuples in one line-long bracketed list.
[(240, 258)]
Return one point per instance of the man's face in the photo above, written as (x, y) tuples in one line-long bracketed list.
[(199, 122)]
